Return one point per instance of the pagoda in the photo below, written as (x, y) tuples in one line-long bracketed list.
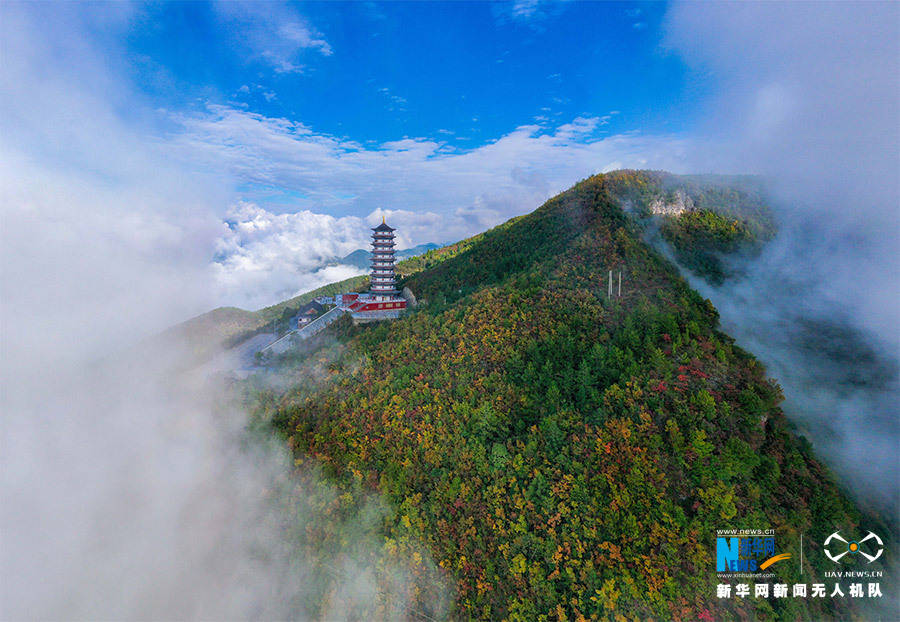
[(383, 300), (383, 281)]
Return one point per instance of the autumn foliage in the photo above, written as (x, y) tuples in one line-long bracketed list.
[(561, 454)]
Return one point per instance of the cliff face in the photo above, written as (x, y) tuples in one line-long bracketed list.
[(558, 451), (672, 206)]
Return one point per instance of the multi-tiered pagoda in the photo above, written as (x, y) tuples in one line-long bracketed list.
[(382, 301), (383, 281)]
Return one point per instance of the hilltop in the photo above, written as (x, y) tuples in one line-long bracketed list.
[(561, 453)]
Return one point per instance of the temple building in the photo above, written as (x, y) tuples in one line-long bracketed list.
[(383, 300), (383, 280), (306, 314)]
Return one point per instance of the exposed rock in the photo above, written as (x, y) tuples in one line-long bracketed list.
[(680, 204), (409, 296)]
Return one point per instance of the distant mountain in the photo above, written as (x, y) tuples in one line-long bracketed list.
[(559, 450), (360, 258), (415, 251), (227, 326)]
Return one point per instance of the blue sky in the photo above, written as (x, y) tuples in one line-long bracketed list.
[(250, 145), (462, 73)]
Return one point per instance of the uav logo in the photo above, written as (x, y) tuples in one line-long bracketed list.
[(852, 547)]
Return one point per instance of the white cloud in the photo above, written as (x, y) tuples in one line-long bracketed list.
[(91, 208), (531, 13), (395, 102), (431, 191), (272, 32), (525, 9), (469, 190), (262, 258), (809, 95)]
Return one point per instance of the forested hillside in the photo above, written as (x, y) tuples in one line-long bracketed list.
[(560, 453), (226, 327), (727, 215)]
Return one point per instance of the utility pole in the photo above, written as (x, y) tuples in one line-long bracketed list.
[(610, 283), (620, 283)]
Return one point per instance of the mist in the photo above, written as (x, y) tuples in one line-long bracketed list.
[(129, 489), (130, 492), (809, 100)]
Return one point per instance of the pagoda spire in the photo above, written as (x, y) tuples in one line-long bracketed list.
[(383, 278)]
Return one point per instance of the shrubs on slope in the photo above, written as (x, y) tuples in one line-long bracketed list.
[(563, 454)]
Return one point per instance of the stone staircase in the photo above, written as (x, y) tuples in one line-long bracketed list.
[(279, 346)]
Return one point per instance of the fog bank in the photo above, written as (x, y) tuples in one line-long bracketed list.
[(809, 97), (128, 491)]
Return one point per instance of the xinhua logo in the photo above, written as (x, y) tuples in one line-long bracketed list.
[(746, 554), (837, 547)]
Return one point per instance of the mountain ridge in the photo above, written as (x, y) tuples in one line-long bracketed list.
[(361, 257), (557, 450)]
